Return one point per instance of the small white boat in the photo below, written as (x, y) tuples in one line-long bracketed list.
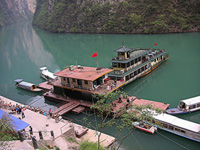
[(186, 106), (145, 127), (44, 73), (27, 86)]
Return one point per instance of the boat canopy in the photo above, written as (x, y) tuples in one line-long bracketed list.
[(123, 49), (18, 80), (26, 84), (49, 74), (184, 124), (43, 68), (191, 101)]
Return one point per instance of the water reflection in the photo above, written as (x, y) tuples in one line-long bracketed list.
[(21, 55)]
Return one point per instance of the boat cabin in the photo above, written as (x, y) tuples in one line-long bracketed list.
[(25, 85), (190, 104), (130, 63)]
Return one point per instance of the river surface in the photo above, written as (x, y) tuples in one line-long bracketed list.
[(24, 49)]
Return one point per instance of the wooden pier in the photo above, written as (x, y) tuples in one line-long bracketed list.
[(65, 108), (75, 106)]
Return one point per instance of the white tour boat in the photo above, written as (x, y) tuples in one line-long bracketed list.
[(186, 106)]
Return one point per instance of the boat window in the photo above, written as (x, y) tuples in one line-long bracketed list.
[(114, 64), (177, 129), (145, 67), (128, 64), (68, 81), (182, 131), (121, 53), (127, 77), (164, 125), (138, 71), (135, 73), (132, 62), (132, 75), (73, 80), (192, 106), (136, 60), (198, 105), (171, 127), (154, 60), (122, 65), (86, 82), (139, 58), (64, 79), (142, 68)]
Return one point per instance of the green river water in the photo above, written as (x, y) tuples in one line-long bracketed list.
[(24, 49)]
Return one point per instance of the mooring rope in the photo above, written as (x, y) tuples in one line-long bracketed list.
[(173, 141), (135, 139)]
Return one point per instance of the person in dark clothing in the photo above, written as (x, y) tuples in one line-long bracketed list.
[(31, 130), (23, 116)]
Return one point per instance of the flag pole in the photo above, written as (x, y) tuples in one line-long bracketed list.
[(97, 63)]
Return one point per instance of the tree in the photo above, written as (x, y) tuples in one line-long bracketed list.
[(122, 118), (7, 133)]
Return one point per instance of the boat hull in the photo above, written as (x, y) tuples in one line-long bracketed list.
[(34, 90), (145, 127), (176, 111)]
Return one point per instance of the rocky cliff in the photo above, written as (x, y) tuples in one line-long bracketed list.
[(118, 16), (16, 10)]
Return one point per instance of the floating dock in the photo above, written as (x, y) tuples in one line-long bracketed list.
[(118, 106), (137, 101)]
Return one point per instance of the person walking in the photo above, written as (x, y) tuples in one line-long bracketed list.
[(23, 115)]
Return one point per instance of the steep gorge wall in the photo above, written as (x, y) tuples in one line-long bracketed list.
[(118, 16), (16, 10)]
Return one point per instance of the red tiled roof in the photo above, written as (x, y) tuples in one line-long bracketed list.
[(88, 73)]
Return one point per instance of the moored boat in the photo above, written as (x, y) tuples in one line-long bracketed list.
[(46, 74), (131, 64), (186, 106), (26, 85), (145, 127), (175, 125)]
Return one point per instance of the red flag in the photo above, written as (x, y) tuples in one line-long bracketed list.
[(94, 55), (121, 80), (155, 44)]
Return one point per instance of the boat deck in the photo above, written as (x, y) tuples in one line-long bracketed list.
[(137, 101), (45, 86)]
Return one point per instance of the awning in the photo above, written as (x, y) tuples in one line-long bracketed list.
[(17, 123)]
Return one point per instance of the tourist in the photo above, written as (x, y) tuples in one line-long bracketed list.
[(31, 130), (128, 101), (23, 116), (50, 111)]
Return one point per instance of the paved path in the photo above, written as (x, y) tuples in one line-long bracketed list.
[(40, 122)]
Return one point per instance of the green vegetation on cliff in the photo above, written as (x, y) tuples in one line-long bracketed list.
[(118, 16)]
